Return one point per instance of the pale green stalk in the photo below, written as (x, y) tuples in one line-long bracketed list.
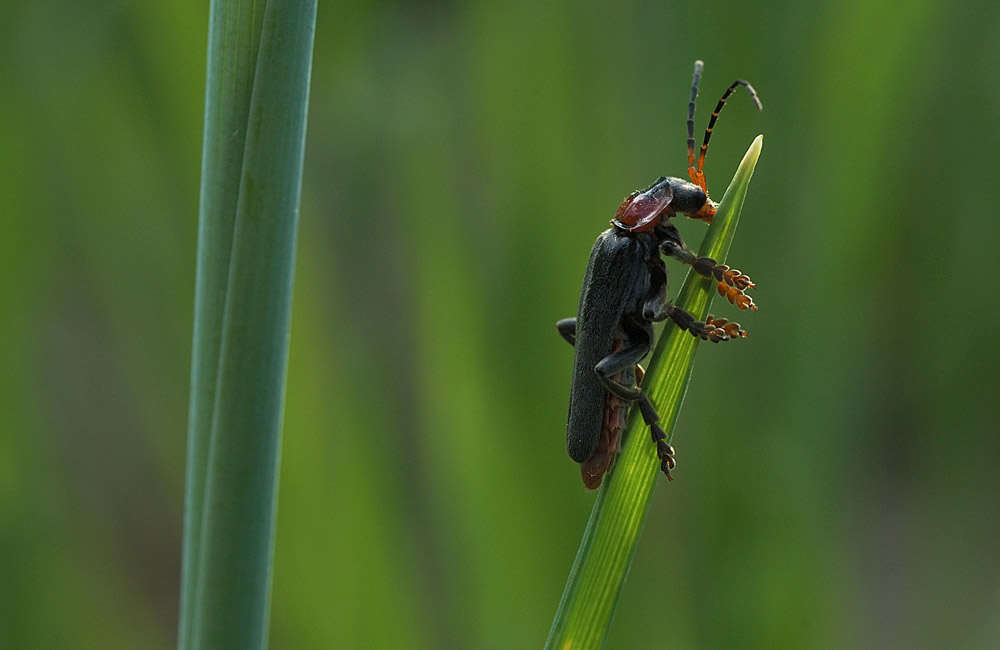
[(259, 59)]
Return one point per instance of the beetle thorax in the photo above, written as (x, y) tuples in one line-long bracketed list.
[(643, 209)]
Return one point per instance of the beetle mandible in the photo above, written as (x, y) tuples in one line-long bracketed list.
[(625, 291)]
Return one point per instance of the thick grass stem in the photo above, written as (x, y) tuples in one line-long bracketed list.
[(255, 115)]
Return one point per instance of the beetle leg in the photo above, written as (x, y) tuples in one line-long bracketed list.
[(624, 358), (711, 329), (670, 238), (657, 307), (567, 329), (732, 284), (627, 357)]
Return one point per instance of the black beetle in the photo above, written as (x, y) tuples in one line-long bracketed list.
[(624, 292)]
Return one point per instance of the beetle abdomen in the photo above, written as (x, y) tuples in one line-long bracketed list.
[(609, 442)]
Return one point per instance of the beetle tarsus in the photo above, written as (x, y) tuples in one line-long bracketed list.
[(711, 329), (664, 451), (732, 283), (731, 328), (730, 277), (736, 296), (722, 273)]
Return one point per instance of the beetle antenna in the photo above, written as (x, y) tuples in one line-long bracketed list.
[(696, 173), (698, 65)]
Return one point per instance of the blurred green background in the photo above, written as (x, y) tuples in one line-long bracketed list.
[(837, 484)]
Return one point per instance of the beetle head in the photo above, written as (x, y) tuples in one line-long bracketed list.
[(642, 210), (691, 201)]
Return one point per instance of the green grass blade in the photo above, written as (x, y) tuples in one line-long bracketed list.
[(234, 36), (602, 562), (232, 476)]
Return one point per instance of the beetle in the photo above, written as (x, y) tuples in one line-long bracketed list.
[(624, 293)]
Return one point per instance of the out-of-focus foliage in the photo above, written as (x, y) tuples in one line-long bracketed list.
[(836, 483)]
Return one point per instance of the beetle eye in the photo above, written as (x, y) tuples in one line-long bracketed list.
[(688, 198)]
